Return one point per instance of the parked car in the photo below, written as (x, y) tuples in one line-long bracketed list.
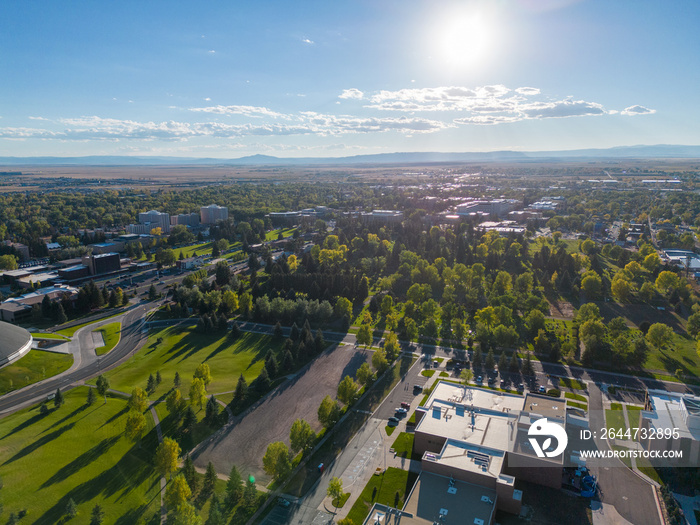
[(543, 390), (521, 387), (405, 405), (283, 502), (401, 411), (393, 421), (479, 380), (417, 389)]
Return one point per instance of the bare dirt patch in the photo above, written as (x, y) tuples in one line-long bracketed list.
[(561, 309), (244, 443)]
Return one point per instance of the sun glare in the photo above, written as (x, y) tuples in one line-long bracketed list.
[(464, 39)]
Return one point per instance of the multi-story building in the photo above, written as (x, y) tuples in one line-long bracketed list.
[(492, 207), (213, 213), (185, 219), (155, 219)]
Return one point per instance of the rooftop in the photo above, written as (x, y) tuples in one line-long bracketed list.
[(434, 496), (12, 338), (672, 410)]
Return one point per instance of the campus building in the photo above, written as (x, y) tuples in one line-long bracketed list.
[(185, 219), (212, 214), (14, 343), (670, 410), (492, 207), (474, 443), (18, 309)]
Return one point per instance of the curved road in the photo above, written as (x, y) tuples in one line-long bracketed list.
[(86, 364)]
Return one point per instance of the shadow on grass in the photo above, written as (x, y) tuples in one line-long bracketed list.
[(66, 418), (25, 424), (132, 470), (81, 461), (116, 416), (39, 443)]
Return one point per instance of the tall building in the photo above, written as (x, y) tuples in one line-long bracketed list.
[(213, 213), (186, 219), (155, 219)]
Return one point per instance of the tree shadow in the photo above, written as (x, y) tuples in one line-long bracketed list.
[(225, 343), (29, 422), (81, 461), (81, 408), (39, 443), (115, 416)]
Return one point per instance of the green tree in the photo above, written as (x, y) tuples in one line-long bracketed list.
[(364, 335), (174, 402), (693, 325), (97, 515), (277, 460), (138, 400), (364, 375), (212, 411), (71, 509), (58, 398), (335, 491), (167, 454), (379, 361), (177, 492), (234, 488), (186, 514), (659, 335), (190, 474), (301, 436), (328, 412), (347, 390), (102, 385), (135, 425), (198, 393), (391, 346), (152, 293), (241, 391), (90, 397), (466, 376), (343, 308), (151, 384), (204, 373), (209, 479)]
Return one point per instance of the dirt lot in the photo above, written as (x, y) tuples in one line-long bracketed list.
[(245, 442)]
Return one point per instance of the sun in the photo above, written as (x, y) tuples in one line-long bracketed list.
[(464, 39)]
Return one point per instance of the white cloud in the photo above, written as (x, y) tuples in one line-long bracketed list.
[(211, 51), (352, 93), (38, 118), (527, 91), (307, 41), (248, 111), (562, 108), (637, 110), (207, 99)]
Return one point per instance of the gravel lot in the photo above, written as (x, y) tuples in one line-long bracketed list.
[(245, 442)]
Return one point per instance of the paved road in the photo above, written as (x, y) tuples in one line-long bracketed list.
[(87, 364)]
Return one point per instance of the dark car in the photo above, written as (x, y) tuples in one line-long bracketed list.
[(393, 421)]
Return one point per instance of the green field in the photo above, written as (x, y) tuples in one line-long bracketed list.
[(111, 334), (575, 397), (384, 488), (573, 384), (77, 452), (68, 332), (182, 349), (286, 232), (33, 367), (681, 354)]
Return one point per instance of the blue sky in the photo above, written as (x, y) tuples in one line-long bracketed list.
[(228, 79)]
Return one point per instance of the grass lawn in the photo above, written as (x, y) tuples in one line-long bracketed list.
[(403, 445), (389, 430), (633, 415), (383, 489), (428, 373), (47, 335), (339, 503), (575, 397), (33, 367), (189, 251), (615, 420), (573, 384), (68, 332), (183, 349), (78, 452), (615, 406), (582, 406), (286, 232), (111, 333), (680, 354)]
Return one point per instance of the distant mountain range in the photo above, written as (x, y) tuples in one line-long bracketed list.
[(621, 152)]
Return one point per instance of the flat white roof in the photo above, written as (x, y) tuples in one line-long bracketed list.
[(672, 410)]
